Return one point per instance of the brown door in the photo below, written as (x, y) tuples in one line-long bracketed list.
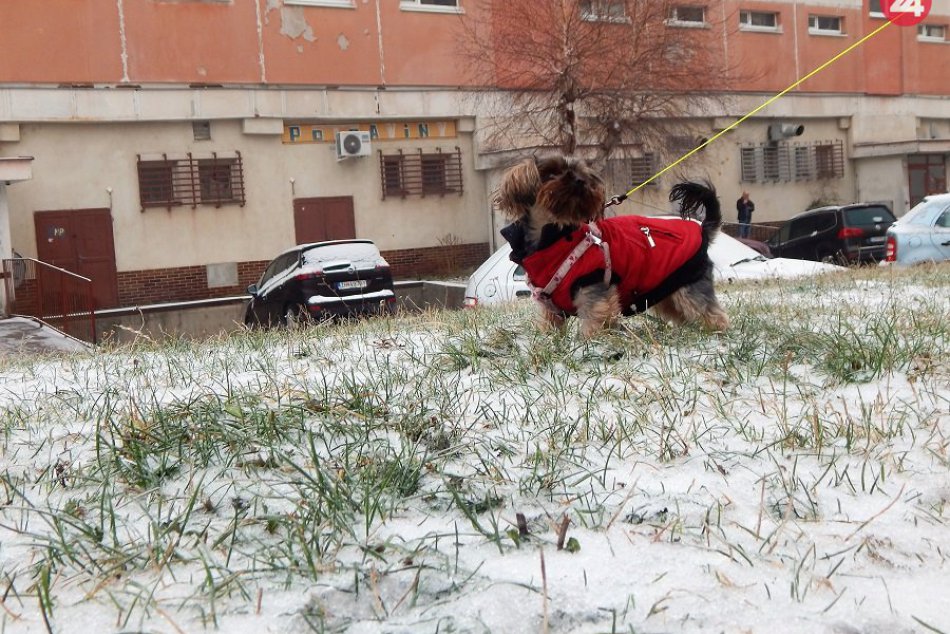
[(926, 174), (80, 241), (319, 219)]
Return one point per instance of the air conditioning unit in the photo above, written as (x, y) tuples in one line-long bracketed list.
[(352, 143)]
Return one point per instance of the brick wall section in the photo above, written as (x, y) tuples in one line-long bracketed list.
[(439, 261), (188, 283), (180, 284)]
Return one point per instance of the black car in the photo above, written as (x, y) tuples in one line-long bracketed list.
[(319, 281), (843, 234)]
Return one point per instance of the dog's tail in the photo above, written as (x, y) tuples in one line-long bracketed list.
[(692, 196)]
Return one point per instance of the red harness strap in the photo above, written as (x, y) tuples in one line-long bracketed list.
[(591, 238)]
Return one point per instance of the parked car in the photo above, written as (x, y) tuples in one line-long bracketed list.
[(320, 281), (844, 234), (499, 279), (922, 234)]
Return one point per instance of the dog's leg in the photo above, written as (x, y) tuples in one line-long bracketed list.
[(694, 304), (598, 307), (551, 320)]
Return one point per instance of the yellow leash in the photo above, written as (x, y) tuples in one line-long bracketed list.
[(618, 199)]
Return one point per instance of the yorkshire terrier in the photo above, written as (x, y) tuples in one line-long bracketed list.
[(579, 263)]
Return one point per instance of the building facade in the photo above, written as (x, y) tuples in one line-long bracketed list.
[(178, 145)]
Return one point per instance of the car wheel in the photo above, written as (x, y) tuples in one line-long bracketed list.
[(294, 316)]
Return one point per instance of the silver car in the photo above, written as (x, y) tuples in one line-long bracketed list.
[(922, 234)]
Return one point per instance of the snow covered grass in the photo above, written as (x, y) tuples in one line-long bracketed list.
[(463, 472)]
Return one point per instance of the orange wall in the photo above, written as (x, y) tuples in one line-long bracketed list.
[(59, 41), (191, 42), (320, 45), (79, 41)]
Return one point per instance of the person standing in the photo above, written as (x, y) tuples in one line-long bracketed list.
[(745, 207)]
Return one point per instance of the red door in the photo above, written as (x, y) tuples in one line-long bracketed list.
[(80, 241), (319, 219)]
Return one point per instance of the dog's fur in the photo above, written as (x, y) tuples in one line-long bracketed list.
[(548, 199)]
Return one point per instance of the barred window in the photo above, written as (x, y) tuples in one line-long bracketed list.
[(392, 167), (421, 174), (623, 173), (172, 182), (774, 162)]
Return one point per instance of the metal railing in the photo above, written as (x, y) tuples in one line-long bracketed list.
[(56, 296)]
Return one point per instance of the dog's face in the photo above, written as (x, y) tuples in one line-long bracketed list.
[(558, 190)]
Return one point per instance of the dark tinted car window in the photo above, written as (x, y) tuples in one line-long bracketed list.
[(808, 225), (868, 216)]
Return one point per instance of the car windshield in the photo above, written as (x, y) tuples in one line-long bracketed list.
[(923, 214), (360, 254), (866, 216)]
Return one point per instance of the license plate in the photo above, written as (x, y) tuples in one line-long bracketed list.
[(877, 239), (343, 286)]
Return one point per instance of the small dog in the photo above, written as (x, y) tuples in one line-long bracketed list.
[(597, 269)]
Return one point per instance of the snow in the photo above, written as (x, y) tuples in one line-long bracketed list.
[(734, 528)]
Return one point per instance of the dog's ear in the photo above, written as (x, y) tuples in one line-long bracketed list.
[(519, 189)]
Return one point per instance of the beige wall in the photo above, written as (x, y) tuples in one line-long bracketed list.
[(77, 164)]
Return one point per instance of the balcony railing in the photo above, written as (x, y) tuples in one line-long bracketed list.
[(56, 296)]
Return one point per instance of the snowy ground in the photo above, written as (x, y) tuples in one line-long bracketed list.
[(791, 475)]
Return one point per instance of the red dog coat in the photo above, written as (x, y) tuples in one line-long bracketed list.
[(643, 253)]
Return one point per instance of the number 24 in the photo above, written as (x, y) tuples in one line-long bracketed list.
[(908, 6)]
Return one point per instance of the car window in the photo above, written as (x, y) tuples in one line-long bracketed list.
[(868, 216), (944, 219), (825, 221), (519, 274), (924, 214), (358, 253), (802, 227), (279, 266)]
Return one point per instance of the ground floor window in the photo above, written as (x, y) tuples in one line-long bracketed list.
[(169, 181), (783, 161), (421, 173)]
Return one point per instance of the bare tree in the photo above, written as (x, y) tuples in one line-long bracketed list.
[(606, 74)]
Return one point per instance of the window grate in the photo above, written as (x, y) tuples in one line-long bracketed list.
[(623, 173), (775, 162), (175, 182), (421, 173)]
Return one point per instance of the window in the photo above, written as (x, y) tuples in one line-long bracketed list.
[(758, 21), (340, 4), (173, 182), (434, 174), (770, 163), (437, 6), (156, 184), (624, 173), (608, 10), (747, 165), (773, 162), (932, 32), (219, 180), (876, 11), (392, 167), (421, 174), (201, 130), (688, 15), (825, 25), (827, 162), (804, 169)]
